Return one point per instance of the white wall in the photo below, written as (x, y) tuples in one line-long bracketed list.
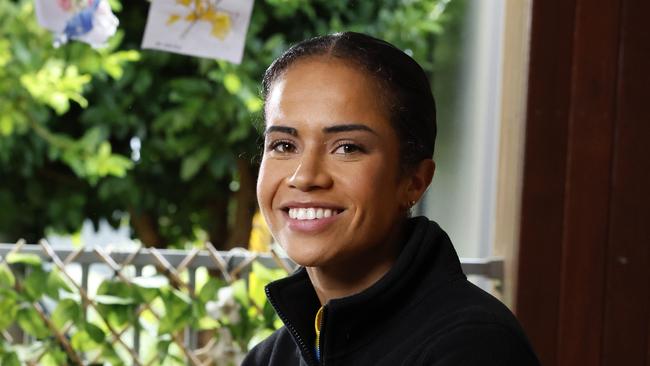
[(462, 196)]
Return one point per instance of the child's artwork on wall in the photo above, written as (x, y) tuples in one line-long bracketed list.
[(203, 28)]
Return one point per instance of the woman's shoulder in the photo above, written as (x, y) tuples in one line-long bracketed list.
[(477, 343), (463, 322), (461, 303), (278, 349)]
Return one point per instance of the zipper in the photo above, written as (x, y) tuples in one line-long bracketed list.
[(319, 319), (321, 336), (301, 342)]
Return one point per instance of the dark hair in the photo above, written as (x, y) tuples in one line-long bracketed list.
[(412, 107)]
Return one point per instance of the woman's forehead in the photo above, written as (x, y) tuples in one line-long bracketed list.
[(324, 90)]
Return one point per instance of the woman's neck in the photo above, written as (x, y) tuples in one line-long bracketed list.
[(357, 274)]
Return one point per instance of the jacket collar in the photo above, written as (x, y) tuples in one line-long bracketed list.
[(427, 257)]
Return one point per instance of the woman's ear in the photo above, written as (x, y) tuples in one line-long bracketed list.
[(419, 179)]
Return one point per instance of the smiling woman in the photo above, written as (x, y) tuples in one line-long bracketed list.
[(349, 138), (325, 146)]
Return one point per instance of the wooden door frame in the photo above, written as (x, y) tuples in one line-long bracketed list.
[(585, 130)]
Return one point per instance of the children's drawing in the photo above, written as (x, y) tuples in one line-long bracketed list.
[(204, 28)]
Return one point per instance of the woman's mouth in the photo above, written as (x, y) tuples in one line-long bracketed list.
[(312, 213), (311, 220)]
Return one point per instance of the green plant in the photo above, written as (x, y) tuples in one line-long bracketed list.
[(165, 141), (68, 326)]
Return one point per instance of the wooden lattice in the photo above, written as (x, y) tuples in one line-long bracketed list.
[(185, 339)]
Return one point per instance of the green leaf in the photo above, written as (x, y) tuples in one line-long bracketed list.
[(10, 359), (55, 283), (116, 302), (232, 83), (258, 278), (239, 133), (183, 89), (93, 138), (81, 341), (170, 354), (36, 283), (162, 347), (240, 293), (270, 316), (256, 289), (29, 320), (8, 308), (104, 163), (254, 104), (95, 332), (65, 311), (178, 311), (207, 322), (7, 278), (142, 82), (198, 312), (268, 274), (55, 84), (193, 163), (110, 356), (209, 290), (54, 357), (148, 288), (24, 258), (116, 5), (114, 63), (118, 316), (6, 125), (89, 337), (5, 52), (147, 294), (118, 289)]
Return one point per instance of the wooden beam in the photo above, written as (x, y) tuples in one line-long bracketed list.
[(627, 315), (587, 193), (542, 205)]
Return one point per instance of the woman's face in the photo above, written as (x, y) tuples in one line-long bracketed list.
[(329, 184)]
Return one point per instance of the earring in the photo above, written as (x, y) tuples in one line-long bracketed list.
[(411, 203)]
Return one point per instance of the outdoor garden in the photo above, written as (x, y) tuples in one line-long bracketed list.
[(166, 145)]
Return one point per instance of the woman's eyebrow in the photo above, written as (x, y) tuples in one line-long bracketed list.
[(284, 129), (347, 128)]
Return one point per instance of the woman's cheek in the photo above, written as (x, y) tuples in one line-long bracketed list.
[(264, 189)]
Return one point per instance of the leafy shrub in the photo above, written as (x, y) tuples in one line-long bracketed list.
[(68, 325)]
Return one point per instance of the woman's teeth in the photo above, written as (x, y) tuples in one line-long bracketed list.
[(310, 213)]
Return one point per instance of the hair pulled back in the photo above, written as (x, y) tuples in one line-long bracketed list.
[(404, 84)]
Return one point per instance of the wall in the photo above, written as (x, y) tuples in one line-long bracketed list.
[(463, 192)]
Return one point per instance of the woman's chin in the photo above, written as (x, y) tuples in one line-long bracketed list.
[(305, 257)]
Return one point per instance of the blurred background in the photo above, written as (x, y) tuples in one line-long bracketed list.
[(163, 146)]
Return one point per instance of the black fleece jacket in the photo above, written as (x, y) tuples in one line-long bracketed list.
[(422, 312)]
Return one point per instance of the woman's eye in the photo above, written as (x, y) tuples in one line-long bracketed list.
[(347, 149), (283, 147)]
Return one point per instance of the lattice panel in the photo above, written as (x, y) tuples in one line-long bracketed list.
[(64, 335)]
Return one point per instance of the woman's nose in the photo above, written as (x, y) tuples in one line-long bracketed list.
[(311, 173)]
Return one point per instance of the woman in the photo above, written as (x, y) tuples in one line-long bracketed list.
[(349, 138)]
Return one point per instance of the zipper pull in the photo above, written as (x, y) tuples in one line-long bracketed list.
[(319, 321)]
